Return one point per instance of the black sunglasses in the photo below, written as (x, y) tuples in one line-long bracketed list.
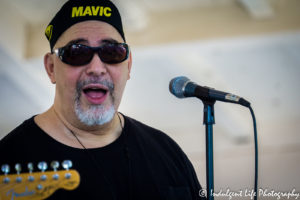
[(79, 54)]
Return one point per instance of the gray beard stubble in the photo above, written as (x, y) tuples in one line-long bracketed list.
[(94, 114)]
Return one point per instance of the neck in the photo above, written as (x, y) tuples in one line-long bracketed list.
[(67, 132)]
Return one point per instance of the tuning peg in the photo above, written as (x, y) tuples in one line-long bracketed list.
[(43, 167), (18, 168), (5, 169), (67, 164), (55, 166), (30, 169)]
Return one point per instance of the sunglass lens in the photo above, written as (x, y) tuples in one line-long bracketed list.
[(113, 53), (77, 55)]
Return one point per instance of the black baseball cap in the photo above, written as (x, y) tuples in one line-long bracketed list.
[(75, 11)]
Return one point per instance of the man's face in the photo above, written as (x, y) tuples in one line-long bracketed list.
[(90, 93)]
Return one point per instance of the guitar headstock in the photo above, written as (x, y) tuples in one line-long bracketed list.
[(37, 185)]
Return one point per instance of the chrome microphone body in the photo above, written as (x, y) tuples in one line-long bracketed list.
[(183, 87)]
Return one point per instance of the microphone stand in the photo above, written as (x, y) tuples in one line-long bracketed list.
[(209, 120)]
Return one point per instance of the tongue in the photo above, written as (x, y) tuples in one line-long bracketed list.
[(95, 94)]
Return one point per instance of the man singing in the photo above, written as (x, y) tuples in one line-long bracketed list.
[(117, 157)]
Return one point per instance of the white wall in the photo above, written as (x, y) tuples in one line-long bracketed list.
[(12, 31)]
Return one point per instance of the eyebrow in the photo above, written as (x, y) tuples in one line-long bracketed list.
[(76, 41), (110, 40), (83, 40)]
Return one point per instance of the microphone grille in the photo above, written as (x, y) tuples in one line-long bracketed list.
[(177, 85)]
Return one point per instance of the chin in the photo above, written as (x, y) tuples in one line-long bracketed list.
[(94, 115)]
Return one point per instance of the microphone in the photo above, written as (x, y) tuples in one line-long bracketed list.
[(183, 87)]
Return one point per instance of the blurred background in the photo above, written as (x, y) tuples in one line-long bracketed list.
[(247, 47)]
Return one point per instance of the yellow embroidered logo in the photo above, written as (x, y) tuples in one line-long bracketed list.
[(49, 31), (91, 11)]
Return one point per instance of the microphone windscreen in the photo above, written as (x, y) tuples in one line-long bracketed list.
[(177, 86)]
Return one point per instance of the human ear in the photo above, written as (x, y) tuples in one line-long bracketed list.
[(49, 66), (129, 65)]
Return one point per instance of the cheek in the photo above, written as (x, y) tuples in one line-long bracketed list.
[(119, 78), (66, 81)]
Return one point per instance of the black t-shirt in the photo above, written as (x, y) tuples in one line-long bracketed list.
[(143, 163)]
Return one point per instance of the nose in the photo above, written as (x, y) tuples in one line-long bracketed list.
[(96, 67)]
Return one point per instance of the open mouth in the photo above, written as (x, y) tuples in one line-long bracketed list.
[(96, 94)]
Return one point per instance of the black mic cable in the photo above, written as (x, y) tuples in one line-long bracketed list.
[(182, 87), (256, 152)]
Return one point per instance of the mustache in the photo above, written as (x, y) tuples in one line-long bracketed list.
[(107, 83)]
